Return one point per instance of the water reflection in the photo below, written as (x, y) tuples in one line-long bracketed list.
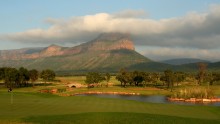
[(150, 99)]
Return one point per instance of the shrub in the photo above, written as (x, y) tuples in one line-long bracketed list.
[(61, 90), (195, 92)]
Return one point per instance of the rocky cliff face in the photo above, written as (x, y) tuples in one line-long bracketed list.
[(108, 42), (104, 42), (52, 50)]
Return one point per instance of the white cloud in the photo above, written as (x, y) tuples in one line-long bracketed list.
[(165, 53), (195, 30)]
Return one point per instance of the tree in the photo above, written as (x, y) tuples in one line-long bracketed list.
[(138, 77), (10, 77), (2, 73), (94, 78), (107, 78), (201, 73), (23, 77), (179, 77), (169, 78), (47, 75), (213, 77), (33, 75), (124, 77)]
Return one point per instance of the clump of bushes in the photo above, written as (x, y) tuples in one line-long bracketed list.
[(195, 92), (61, 90)]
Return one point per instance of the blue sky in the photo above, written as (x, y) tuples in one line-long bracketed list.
[(22, 22), (20, 15)]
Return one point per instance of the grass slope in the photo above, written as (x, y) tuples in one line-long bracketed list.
[(40, 108)]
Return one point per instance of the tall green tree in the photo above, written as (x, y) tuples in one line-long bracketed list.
[(202, 72), (138, 77), (107, 78), (11, 76), (124, 77), (23, 77), (33, 76), (169, 78), (47, 75), (94, 78)]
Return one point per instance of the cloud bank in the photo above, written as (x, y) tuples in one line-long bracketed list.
[(195, 30), (165, 53)]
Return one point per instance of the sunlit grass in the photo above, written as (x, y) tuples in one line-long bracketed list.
[(194, 92), (36, 107), (116, 118)]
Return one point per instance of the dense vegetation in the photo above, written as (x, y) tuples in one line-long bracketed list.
[(13, 77), (167, 80)]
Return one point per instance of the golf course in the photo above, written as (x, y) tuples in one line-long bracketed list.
[(28, 105)]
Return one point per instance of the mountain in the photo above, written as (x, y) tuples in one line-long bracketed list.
[(108, 52), (182, 61)]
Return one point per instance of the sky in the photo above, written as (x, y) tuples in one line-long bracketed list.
[(160, 29)]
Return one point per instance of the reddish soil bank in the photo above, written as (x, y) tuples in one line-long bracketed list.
[(195, 100)]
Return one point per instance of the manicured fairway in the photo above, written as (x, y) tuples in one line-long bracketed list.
[(117, 118), (46, 108)]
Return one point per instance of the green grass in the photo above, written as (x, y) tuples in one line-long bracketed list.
[(140, 90), (116, 118), (30, 106), (81, 79), (40, 108), (69, 79)]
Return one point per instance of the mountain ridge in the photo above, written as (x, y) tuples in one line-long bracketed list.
[(182, 61), (117, 41), (109, 51)]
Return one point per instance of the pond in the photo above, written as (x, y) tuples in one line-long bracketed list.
[(150, 99)]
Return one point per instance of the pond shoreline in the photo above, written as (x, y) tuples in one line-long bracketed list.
[(190, 100), (112, 93), (194, 100)]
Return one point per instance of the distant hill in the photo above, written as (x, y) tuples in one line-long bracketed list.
[(182, 61), (108, 52), (193, 67)]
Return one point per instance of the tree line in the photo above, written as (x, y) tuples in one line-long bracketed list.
[(167, 79), (137, 78), (23, 77)]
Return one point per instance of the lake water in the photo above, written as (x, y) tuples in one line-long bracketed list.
[(150, 99)]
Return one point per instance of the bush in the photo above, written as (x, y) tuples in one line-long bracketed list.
[(61, 90), (195, 92)]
